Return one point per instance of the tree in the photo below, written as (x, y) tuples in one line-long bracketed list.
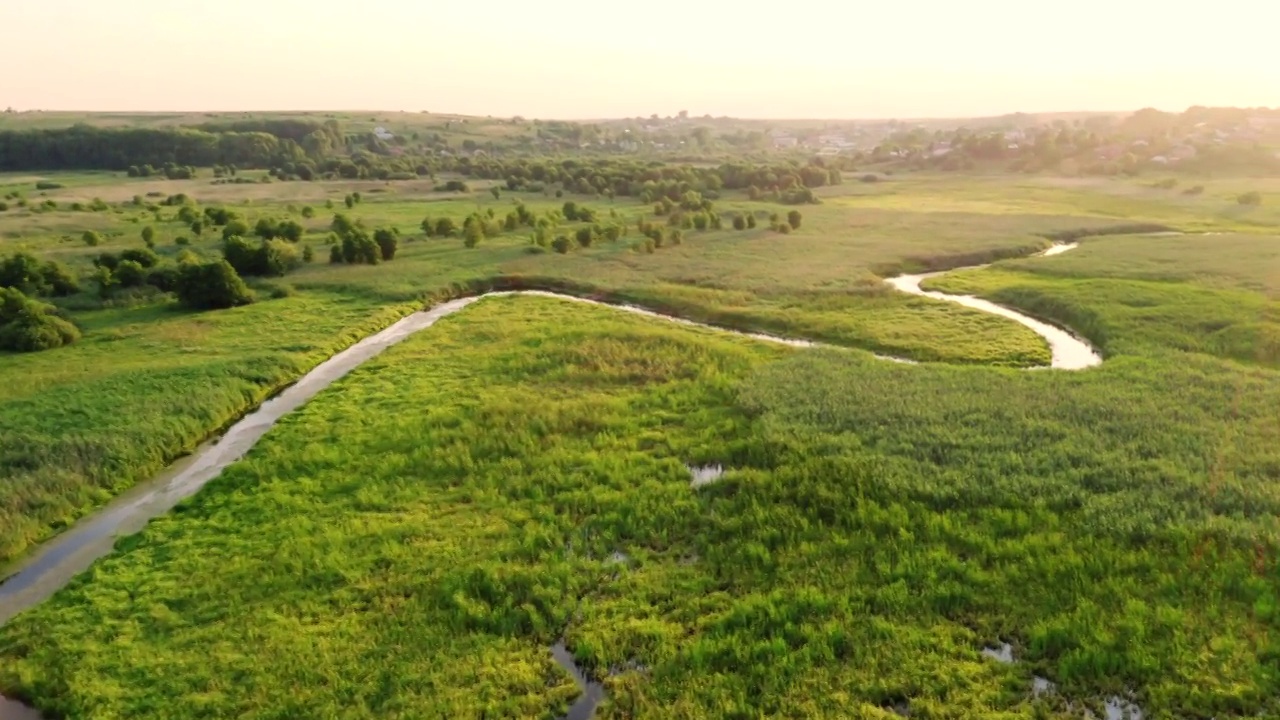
[(211, 286), (27, 325), (290, 230), (585, 237), (145, 257), (129, 274), (446, 227), (265, 229), (739, 222), (235, 228), (495, 192), (793, 219), (751, 220), (91, 238), (388, 241), (561, 244), (149, 235), (350, 201), (570, 211), (473, 233)]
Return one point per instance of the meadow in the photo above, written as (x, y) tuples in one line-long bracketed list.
[(412, 542)]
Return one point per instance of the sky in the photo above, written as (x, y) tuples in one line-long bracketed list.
[(578, 59)]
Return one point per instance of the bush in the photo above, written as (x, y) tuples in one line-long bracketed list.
[(751, 221), (335, 254), (1250, 198), (279, 257), (91, 238), (106, 260), (1195, 190), (4, 206), (358, 248), (129, 274), (739, 222), (164, 279), (235, 228), (562, 244), (48, 185), (211, 286), (182, 240), (308, 212), (585, 236), (144, 257), (793, 219), (783, 228), (388, 241), (308, 254), (30, 276), (869, 178), (473, 233), (28, 325), (148, 235)]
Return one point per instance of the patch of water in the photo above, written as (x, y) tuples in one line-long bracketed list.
[(704, 474), (584, 708), (1041, 686), (1118, 708), (11, 710), (1003, 654)]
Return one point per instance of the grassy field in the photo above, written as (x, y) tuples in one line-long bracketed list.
[(821, 282), (410, 544)]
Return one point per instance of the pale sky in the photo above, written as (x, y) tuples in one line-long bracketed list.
[(595, 58)]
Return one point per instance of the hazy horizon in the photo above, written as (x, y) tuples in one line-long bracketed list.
[(570, 59)]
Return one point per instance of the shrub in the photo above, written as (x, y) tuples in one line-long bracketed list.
[(308, 212), (335, 255), (144, 257), (235, 228), (164, 278), (197, 227), (48, 185), (739, 222), (585, 236), (358, 248), (562, 244), (869, 178), (388, 241), (28, 325), (279, 257), (675, 237), (91, 238), (793, 219), (211, 286), (106, 260), (59, 281), (472, 233), (783, 228), (21, 271), (129, 274), (4, 206), (182, 240), (751, 221), (308, 254), (1194, 190), (265, 229), (1250, 198)]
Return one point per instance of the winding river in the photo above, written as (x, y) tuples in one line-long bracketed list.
[(54, 563)]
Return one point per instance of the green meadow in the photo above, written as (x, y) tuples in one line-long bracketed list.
[(411, 542)]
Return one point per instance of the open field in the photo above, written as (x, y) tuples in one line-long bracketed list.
[(411, 542)]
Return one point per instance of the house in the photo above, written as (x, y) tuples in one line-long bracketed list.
[(382, 133)]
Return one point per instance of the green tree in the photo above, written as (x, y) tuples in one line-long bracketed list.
[(561, 244), (149, 235), (793, 219), (211, 286), (739, 222), (388, 240), (91, 238), (495, 192), (585, 236), (473, 233), (27, 325)]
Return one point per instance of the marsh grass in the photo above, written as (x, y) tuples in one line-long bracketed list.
[(411, 542)]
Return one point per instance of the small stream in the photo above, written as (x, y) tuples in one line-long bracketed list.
[(54, 563)]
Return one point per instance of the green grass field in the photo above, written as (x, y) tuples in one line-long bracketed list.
[(411, 542)]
